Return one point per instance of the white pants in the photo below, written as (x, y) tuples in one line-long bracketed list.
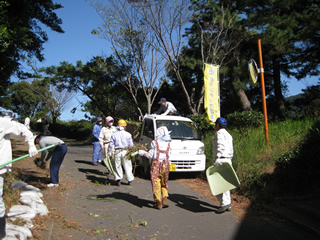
[(224, 198), (121, 161)]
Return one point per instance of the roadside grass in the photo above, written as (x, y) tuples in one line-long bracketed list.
[(10, 196), (255, 161)]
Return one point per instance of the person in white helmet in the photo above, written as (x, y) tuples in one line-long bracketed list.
[(121, 140), (159, 154), (8, 129), (105, 135), (222, 152)]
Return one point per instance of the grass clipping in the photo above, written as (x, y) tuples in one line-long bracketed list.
[(134, 149)]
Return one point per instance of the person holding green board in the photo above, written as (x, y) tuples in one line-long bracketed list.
[(222, 152)]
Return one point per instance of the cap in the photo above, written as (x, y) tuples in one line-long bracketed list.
[(221, 121), (99, 119), (162, 100)]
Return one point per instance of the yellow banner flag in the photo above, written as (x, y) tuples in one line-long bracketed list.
[(211, 92)]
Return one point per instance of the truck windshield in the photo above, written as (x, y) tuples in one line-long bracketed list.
[(180, 129), (8, 114)]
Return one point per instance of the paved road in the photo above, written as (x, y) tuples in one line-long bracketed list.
[(102, 210)]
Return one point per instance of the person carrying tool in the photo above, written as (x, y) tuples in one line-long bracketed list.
[(105, 135), (10, 128), (56, 154), (96, 155), (166, 108), (159, 171), (222, 152), (121, 140)]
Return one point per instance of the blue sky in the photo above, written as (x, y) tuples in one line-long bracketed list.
[(77, 43)]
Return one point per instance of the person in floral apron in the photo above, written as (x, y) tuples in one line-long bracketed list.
[(159, 154)]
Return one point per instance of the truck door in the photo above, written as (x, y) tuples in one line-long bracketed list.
[(147, 132)]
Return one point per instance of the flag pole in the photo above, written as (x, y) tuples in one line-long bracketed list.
[(263, 94)]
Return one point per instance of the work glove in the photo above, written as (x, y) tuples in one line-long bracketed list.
[(133, 154), (217, 162), (32, 151), (142, 152)]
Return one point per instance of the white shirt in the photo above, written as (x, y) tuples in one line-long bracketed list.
[(9, 128), (169, 107), (152, 153), (120, 139), (222, 144)]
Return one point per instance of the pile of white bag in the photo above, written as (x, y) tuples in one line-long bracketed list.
[(31, 197)]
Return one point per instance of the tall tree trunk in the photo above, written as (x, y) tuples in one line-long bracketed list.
[(281, 109), (244, 101)]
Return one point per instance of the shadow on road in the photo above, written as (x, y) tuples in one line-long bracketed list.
[(92, 171), (134, 200), (191, 203), (83, 161)]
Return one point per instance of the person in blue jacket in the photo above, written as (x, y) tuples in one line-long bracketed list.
[(96, 156)]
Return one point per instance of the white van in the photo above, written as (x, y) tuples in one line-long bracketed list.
[(187, 149), (6, 113)]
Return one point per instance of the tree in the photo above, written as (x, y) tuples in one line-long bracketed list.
[(96, 81), (134, 47), (167, 21), (25, 98), (217, 36), (57, 102), (288, 29), (21, 33)]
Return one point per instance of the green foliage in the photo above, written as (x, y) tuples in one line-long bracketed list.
[(21, 33), (309, 102), (26, 98), (298, 170), (275, 170), (245, 119), (202, 124), (97, 79), (79, 130)]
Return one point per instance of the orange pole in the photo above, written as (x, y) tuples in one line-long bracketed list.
[(263, 94)]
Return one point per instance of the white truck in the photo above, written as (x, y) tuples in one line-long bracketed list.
[(187, 149), (6, 113)]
